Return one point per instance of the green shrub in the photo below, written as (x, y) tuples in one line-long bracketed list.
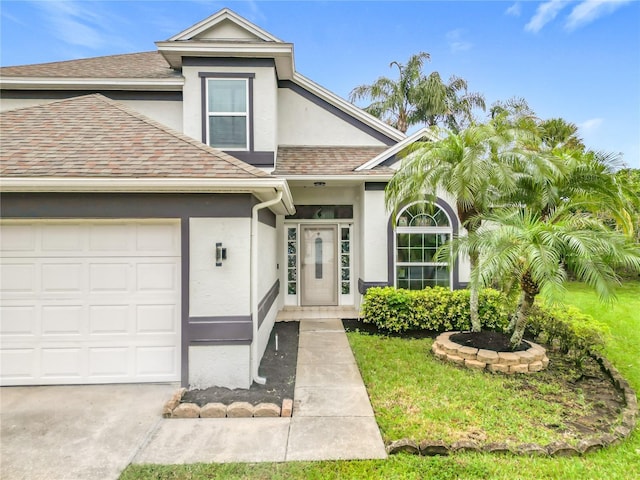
[(574, 332), (434, 309), (439, 309)]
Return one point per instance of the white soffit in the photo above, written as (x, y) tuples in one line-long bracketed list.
[(397, 148)]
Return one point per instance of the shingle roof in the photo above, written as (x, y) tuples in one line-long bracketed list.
[(320, 160), (132, 65), (93, 136)]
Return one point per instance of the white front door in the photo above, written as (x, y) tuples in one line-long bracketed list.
[(319, 265)]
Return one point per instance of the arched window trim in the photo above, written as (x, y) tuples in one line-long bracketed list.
[(449, 230)]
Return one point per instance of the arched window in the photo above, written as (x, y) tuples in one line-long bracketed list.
[(420, 230)]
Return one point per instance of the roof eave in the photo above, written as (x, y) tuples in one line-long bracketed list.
[(282, 53), (224, 14), (263, 188), (397, 148), (49, 83)]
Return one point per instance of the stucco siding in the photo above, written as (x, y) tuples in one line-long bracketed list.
[(301, 122), (219, 291)]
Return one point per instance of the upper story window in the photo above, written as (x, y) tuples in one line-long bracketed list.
[(228, 111)]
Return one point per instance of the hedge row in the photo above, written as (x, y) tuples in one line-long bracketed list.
[(439, 309)]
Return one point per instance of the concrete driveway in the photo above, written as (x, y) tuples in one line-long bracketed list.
[(76, 432)]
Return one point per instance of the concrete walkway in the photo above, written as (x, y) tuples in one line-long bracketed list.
[(332, 417)]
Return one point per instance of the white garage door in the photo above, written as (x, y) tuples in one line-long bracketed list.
[(89, 302)]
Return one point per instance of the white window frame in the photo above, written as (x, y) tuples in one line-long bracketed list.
[(448, 230), (244, 114)]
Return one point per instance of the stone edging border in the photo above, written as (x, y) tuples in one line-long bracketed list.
[(174, 409), (629, 417), (531, 360)]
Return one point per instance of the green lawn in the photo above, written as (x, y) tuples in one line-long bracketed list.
[(618, 462)]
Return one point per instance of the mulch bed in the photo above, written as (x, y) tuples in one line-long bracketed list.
[(488, 340), (277, 366)]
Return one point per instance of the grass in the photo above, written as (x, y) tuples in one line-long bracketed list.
[(618, 462)]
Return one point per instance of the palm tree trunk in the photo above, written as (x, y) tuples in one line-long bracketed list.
[(514, 317), (529, 291), (474, 295)]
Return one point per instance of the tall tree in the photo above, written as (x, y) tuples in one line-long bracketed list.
[(474, 166), (415, 98), (395, 101)]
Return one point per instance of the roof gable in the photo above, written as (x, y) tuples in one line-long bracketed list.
[(92, 136), (224, 25), (388, 157)]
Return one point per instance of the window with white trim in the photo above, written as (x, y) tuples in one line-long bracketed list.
[(228, 113), (420, 230)]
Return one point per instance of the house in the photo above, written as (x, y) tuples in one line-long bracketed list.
[(160, 208)]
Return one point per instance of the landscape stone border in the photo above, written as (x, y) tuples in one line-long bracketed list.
[(174, 409), (531, 360), (628, 421)]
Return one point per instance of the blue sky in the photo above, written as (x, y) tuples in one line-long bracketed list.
[(579, 59)]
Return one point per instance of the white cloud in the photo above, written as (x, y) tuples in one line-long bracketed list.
[(590, 126), (590, 10), (545, 13), (80, 23), (514, 10), (456, 41)]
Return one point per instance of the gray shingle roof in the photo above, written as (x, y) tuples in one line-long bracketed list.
[(321, 160), (132, 65), (93, 136)]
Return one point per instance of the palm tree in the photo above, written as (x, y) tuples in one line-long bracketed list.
[(416, 98), (455, 110), (474, 166), (395, 101), (539, 252)]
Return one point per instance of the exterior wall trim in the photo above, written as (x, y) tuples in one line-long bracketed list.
[(112, 94), (203, 100), (267, 301), (227, 62), (230, 330)]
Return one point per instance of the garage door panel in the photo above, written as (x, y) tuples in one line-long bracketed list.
[(64, 277), (19, 365), (62, 363), (153, 319), (109, 319), (111, 362), (18, 238), (17, 321), (19, 277), (157, 277), (60, 320), (62, 238), (108, 312), (156, 361)]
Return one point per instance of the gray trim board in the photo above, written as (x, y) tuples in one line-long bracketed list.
[(364, 286), (267, 217), (203, 100), (375, 186), (455, 284), (125, 205), (184, 304), (267, 301), (257, 159), (112, 94), (389, 161), (236, 330), (336, 111), (227, 62)]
